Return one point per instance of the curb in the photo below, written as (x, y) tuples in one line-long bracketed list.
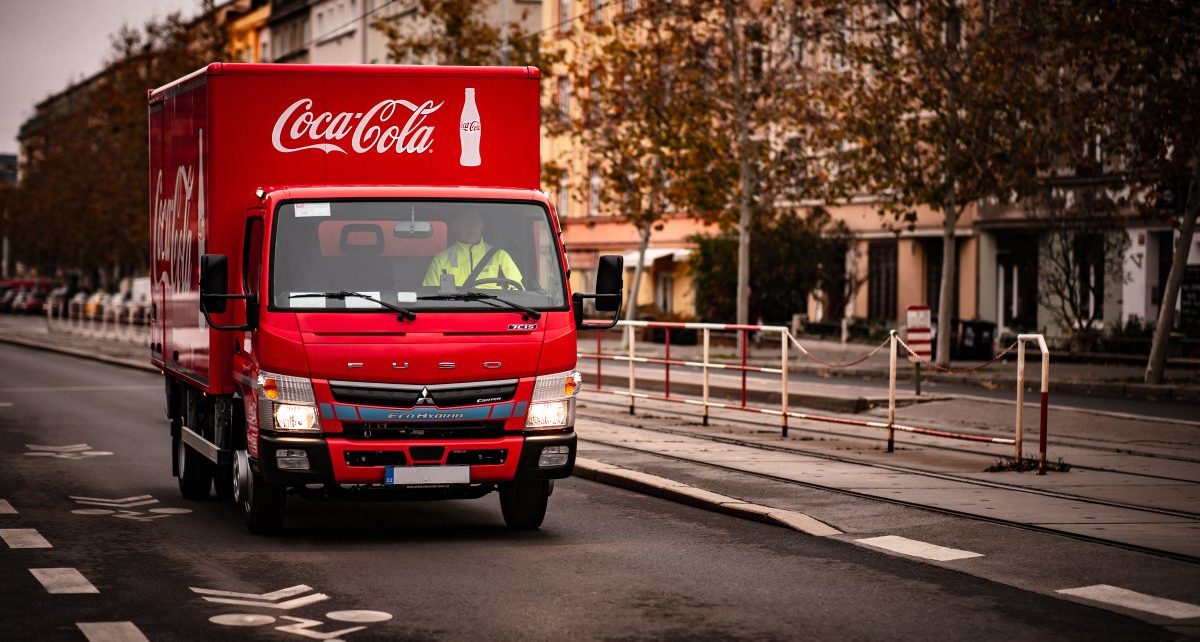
[(664, 488), (82, 354)]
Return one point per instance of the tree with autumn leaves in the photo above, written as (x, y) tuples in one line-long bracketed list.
[(82, 204)]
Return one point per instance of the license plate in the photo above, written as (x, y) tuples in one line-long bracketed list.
[(426, 475)]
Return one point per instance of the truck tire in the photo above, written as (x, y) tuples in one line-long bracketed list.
[(523, 503), (265, 505), (195, 472)]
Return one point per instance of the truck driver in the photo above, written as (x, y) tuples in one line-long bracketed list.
[(470, 258)]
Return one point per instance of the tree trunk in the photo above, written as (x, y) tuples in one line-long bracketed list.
[(739, 100), (945, 329), (643, 243), (1166, 310)]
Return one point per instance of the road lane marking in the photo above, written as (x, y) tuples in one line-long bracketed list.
[(63, 580), (124, 502), (914, 548), (274, 595), (111, 632), (72, 451), (266, 600), (6, 508), (23, 538), (1133, 600), (120, 507)]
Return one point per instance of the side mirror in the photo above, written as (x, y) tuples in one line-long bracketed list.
[(610, 276), (214, 282), (214, 293)]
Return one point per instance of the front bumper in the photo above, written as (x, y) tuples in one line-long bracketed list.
[(337, 460)]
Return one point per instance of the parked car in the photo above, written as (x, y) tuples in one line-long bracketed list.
[(33, 302), (77, 304), (95, 304), (57, 300), (10, 296)]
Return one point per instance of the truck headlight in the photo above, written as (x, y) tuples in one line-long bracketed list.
[(547, 414), (553, 402), (290, 416)]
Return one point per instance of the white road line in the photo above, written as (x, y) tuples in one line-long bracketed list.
[(914, 548), (1133, 600), (274, 595), (63, 580), (6, 508), (111, 632), (23, 538)]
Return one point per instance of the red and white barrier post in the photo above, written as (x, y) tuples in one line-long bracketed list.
[(891, 447), (919, 339), (1045, 390)]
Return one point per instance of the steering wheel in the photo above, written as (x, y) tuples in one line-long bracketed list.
[(504, 283)]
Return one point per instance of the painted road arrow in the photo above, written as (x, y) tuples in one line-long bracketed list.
[(123, 502), (266, 600), (71, 451)]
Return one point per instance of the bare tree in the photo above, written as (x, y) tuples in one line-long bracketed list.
[(1082, 251)]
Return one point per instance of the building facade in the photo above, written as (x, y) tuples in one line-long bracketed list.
[(1003, 257)]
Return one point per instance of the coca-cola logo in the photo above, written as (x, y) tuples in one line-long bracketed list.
[(378, 129), (470, 125)]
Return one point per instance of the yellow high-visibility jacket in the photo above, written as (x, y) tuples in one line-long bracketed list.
[(460, 259)]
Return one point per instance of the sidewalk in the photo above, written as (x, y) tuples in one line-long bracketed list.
[(1080, 378)]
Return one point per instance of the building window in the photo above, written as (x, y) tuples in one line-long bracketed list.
[(564, 97), (630, 6), (664, 291), (594, 191), (881, 281), (564, 16), (564, 196), (597, 12)]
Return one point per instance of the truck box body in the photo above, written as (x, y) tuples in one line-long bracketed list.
[(221, 133), (383, 297)]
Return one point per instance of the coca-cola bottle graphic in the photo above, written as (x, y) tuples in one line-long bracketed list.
[(469, 132)]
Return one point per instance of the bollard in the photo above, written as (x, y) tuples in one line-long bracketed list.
[(891, 446), (784, 339), (667, 362), (745, 340), (599, 361), (632, 382), (705, 368), (1020, 428)]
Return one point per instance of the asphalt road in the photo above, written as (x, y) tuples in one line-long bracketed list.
[(607, 564)]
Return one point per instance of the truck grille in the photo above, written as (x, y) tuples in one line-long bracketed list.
[(406, 396), (377, 430)]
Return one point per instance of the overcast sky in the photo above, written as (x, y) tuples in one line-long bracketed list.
[(47, 44)]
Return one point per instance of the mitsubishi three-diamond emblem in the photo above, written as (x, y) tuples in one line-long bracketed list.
[(424, 399)]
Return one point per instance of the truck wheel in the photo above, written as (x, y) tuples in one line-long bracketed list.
[(265, 505), (195, 472), (523, 503)]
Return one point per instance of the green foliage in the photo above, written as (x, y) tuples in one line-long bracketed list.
[(792, 256)]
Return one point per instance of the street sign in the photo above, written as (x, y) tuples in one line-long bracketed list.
[(919, 337)]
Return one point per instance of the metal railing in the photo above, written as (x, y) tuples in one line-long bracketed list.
[(707, 364), (129, 324)]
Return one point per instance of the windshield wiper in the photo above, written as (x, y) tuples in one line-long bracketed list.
[(341, 295), (529, 313)]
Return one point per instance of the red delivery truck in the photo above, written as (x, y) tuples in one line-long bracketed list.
[(359, 290)]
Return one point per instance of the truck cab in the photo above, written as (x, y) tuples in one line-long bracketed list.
[(357, 341)]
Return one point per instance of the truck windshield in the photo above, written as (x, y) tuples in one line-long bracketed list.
[(418, 255)]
